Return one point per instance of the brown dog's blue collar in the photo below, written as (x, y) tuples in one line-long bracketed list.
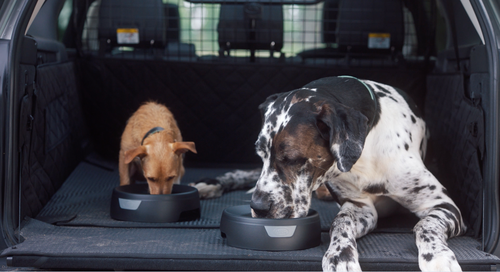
[(151, 132)]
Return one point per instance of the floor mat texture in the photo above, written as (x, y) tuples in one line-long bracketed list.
[(75, 230), (84, 200), (43, 239)]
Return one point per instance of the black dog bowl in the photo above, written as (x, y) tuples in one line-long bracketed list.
[(244, 231), (134, 203)]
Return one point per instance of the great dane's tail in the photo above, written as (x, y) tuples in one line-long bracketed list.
[(230, 181)]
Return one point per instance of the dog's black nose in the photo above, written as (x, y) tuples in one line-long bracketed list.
[(260, 206)]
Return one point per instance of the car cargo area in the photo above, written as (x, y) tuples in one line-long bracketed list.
[(212, 63), (74, 230)]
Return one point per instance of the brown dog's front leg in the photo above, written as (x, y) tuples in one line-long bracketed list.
[(123, 169)]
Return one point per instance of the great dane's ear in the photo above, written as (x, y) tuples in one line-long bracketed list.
[(346, 130), (263, 106)]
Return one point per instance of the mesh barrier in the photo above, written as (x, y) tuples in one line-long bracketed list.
[(329, 32)]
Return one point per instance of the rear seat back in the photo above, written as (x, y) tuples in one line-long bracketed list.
[(132, 23), (370, 26), (251, 26), (360, 33)]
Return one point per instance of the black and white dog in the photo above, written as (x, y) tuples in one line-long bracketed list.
[(365, 141)]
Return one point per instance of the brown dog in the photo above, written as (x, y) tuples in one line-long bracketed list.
[(152, 142)]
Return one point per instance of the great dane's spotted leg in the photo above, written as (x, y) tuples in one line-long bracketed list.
[(433, 252), (355, 219), (440, 219)]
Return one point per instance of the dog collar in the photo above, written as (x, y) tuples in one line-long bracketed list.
[(151, 132), (372, 95)]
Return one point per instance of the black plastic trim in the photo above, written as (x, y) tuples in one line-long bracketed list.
[(44, 262), (491, 219), (10, 98)]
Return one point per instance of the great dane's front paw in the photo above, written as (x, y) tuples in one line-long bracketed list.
[(341, 259), (443, 260)]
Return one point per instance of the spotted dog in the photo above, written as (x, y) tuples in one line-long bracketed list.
[(365, 141)]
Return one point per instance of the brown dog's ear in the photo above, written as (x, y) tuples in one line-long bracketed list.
[(183, 147), (346, 130), (136, 152)]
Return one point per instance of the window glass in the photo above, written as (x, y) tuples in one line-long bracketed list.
[(63, 20)]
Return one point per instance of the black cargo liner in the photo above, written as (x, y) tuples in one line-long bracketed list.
[(85, 197), (171, 248), (79, 234)]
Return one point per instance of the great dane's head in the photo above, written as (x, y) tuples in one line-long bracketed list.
[(304, 134)]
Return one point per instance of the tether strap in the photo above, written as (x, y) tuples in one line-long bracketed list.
[(151, 132), (372, 95)]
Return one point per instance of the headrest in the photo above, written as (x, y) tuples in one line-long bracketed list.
[(135, 23), (368, 26), (251, 26)]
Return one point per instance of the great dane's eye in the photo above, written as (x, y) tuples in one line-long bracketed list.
[(151, 179), (293, 161)]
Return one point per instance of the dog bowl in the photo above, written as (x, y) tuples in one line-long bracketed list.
[(242, 230), (134, 203)]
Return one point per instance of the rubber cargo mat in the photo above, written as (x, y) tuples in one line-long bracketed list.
[(45, 241), (84, 200), (65, 241)]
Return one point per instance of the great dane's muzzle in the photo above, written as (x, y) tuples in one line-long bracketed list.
[(260, 204)]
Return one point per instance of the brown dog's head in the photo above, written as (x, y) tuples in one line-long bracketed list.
[(303, 136), (161, 161)]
